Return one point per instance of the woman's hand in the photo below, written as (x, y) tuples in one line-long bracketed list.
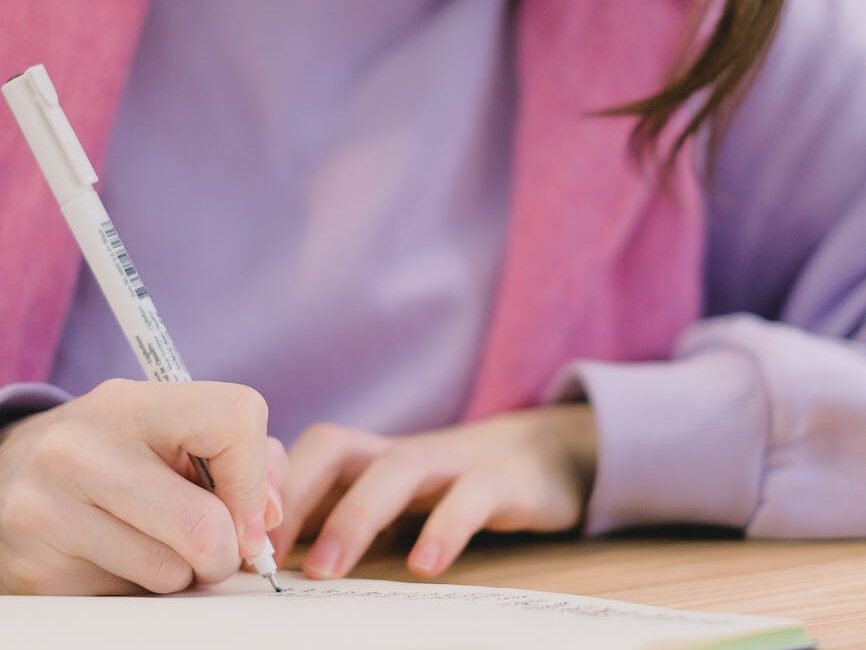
[(95, 496), (527, 470)]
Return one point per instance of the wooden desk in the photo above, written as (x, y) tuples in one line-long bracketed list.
[(822, 584)]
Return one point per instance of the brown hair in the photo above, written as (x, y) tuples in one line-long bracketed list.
[(721, 70)]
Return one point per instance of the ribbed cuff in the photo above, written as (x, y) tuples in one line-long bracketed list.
[(18, 400), (678, 441)]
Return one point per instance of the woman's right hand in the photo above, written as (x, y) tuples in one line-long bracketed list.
[(96, 495)]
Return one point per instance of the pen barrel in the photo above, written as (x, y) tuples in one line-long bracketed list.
[(123, 288), (36, 107)]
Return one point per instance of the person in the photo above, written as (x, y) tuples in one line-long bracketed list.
[(455, 255)]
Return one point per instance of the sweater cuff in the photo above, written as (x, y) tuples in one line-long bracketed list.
[(18, 400), (678, 442)]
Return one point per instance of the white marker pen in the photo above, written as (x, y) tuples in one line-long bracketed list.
[(35, 104)]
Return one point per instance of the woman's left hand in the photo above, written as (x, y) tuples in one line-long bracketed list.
[(525, 470)]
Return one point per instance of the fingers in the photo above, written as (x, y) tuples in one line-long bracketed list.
[(130, 555), (277, 462), (464, 510), (34, 527), (164, 506), (382, 492), (64, 577), (323, 455), (225, 423)]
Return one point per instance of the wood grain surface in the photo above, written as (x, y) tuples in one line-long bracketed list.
[(821, 583)]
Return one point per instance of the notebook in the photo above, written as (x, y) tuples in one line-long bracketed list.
[(364, 614)]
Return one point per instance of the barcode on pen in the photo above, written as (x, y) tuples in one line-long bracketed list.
[(119, 251)]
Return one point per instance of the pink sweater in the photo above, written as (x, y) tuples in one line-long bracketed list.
[(632, 245)]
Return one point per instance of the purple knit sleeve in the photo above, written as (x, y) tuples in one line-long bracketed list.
[(679, 441), (19, 399), (753, 424)]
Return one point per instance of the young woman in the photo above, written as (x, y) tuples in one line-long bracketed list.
[(417, 230)]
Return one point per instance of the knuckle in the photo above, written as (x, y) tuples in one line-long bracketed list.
[(326, 435), (494, 480), (276, 457), (461, 524), (168, 573), (112, 390), (249, 407), (108, 399), (424, 452), (325, 432), (404, 452), (58, 446), (207, 531), (275, 447), (498, 489), (246, 491), (22, 512), (352, 518), (24, 576)]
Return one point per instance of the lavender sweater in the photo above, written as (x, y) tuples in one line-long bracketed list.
[(753, 424)]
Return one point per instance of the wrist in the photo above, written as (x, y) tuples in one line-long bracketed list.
[(579, 433), (20, 400), (572, 428)]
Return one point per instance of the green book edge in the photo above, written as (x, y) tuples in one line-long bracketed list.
[(784, 639)]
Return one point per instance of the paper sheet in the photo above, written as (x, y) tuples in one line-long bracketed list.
[(244, 613)]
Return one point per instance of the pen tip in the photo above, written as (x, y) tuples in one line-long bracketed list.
[(273, 580)]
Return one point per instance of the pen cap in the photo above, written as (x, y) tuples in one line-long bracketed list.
[(35, 105)]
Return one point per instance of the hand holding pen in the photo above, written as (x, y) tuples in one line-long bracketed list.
[(141, 428), (97, 495)]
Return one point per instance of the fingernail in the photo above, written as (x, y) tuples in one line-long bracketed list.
[(324, 557), (274, 509), (426, 557), (251, 534)]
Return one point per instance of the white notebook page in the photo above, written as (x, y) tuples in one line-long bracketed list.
[(244, 613)]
